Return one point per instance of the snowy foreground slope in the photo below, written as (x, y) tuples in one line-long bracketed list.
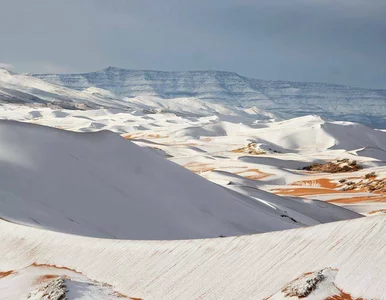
[(350, 255), (282, 98), (99, 184)]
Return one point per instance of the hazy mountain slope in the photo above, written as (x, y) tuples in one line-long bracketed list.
[(18, 88), (282, 98), (350, 253), (24, 89)]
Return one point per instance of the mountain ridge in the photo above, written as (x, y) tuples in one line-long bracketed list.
[(37, 74), (283, 98)]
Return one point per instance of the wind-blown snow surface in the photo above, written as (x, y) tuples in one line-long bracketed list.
[(245, 267), (282, 98)]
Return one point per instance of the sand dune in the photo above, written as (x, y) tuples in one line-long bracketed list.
[(99, 184), (79, 206)]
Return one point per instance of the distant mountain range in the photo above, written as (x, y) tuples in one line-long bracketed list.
[(283, 98)]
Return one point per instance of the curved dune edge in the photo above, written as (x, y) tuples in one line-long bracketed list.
[(244, 267)]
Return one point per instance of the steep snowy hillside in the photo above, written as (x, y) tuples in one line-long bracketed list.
[(282, 98), (99, 184)]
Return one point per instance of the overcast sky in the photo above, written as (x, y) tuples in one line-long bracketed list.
[(337, 41)]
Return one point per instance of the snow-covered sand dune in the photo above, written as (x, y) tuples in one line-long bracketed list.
[(213, 146), (350, 253), (101, 185)]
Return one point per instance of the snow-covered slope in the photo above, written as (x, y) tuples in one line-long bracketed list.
[(282, 98), (18, 88), (266, 155), (349, 255), (24, 89), (99, 184), (312, 133)]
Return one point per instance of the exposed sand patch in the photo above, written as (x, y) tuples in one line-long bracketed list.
[(382, 210), (206, 139), (45, 278), (311, 191), (381, 198), (133, 136), (55, 267), (199, 167), (320, 186), (5, 274), (251, 149), (154, 136), (342, 296), (322, 182)]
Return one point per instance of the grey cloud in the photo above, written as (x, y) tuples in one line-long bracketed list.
[(6, 66), (330, 41)]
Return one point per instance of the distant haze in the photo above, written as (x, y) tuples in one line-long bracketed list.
[(340, 42)]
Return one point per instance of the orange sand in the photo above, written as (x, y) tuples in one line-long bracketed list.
[(326, 186), (374, 198), (199, 167), (323, 182), (5, 274), (258, 174), (343, 296), (44, 278), (307, 191)]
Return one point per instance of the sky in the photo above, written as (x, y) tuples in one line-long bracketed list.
[(335, 41)]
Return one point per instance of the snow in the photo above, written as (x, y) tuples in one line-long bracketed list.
[(17, 88), (37, 282), (313, 286), (205, 144), (246, 267), (105, 201), (99, 184), (281, 98)]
